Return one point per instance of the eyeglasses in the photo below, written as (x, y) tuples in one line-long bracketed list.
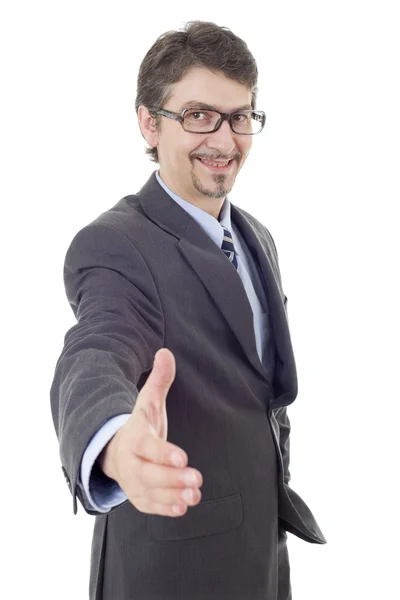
[(199, 120)]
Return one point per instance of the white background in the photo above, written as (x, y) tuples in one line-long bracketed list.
[(324, 179)]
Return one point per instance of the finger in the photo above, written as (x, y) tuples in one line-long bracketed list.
[(157, 476), (160, 379), (163, 509), (169, 497), (152, 398), (158, 451)]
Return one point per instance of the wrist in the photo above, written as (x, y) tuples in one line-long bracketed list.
[(105, 459)]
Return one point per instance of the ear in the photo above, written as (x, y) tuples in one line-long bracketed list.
[(147, 125)]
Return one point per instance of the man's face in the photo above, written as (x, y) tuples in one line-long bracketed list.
[(179, 151)]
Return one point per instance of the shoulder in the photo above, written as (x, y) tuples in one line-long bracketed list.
[(125, 219)]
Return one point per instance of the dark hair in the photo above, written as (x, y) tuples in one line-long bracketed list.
[(202, 44)]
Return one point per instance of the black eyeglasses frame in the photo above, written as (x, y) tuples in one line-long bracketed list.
[(224, 117)]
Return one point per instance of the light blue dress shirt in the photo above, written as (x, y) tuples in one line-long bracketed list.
[(104, 493)]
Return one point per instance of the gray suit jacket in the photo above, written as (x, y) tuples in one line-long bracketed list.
[(142, 276)]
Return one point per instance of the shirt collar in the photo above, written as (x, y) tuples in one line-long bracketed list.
[(211, 225)]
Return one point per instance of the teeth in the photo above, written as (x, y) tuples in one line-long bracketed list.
[(213, 164)]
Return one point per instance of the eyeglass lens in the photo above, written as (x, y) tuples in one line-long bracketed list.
[(204, 121)]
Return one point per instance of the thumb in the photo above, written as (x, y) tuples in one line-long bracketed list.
[(154, 393)]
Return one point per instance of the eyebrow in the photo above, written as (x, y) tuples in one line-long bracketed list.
[(197, 104)]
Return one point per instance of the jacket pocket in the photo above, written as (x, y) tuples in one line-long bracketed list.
[(206, 518)]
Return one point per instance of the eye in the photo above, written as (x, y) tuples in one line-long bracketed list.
[(240, 117), (196, 115)]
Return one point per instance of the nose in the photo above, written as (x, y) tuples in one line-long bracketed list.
[(223, 139)]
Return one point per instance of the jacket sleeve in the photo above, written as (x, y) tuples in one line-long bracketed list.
[(284, 429), (284, 440), (109, 353)]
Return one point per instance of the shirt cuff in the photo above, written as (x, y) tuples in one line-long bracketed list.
[(102, 492)]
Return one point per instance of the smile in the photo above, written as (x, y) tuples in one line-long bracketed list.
[(216, 166)]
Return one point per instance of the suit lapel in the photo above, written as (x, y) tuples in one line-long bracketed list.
[(222, 281), (261, 247), (224, 284)]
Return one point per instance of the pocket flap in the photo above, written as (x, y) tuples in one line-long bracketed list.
[(206, 518)]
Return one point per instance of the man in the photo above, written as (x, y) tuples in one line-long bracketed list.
[(178, 273)]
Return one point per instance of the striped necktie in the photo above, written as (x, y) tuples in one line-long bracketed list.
[(228, 248)]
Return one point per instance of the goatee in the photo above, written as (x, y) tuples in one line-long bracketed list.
[(220, 192)]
